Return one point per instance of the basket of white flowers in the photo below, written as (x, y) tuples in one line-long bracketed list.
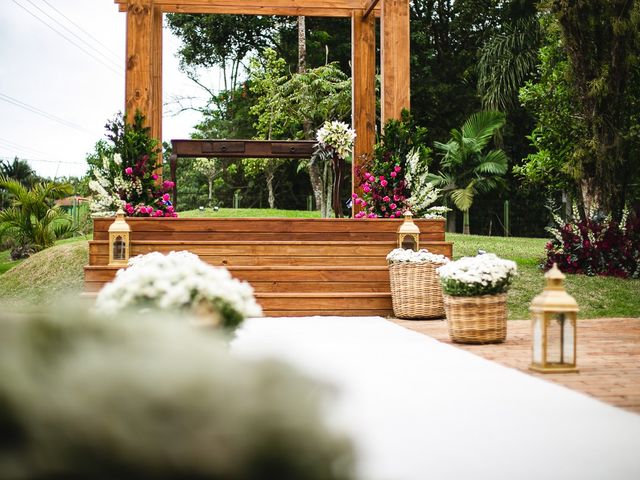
[(415, 290), (180, 282), (475, 297)]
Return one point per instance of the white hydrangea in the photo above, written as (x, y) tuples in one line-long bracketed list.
[(179, 280), (401, 255), (482, 274), (338, 136)]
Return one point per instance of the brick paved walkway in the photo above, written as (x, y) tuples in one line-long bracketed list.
[(608, 356)]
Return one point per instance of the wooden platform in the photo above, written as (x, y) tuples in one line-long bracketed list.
[(298, 267)]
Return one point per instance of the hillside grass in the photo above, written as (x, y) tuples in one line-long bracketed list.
[(597, 297), (57, 271)]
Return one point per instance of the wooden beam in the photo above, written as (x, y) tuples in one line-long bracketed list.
[(155, 112), (309, 8), (138, 72), (395, 35), (368, 10), (363, 61)]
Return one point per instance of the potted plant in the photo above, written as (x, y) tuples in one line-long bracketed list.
[(415, 290), (183, 283), (475, 297)]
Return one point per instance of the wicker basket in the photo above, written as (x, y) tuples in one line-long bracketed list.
[(480, 319), (415, 290)]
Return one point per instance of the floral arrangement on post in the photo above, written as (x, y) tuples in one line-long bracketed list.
[(123, 172), (395, 178), (484, 274), (335, 140), (180, 281)]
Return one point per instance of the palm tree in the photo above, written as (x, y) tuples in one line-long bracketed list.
[(32, 221), (464, 169), (19, 170)]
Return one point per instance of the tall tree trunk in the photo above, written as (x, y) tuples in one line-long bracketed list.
[(465, 223), (210, 182), (316, 184), (302, 45), (270, 172), (451, 221)]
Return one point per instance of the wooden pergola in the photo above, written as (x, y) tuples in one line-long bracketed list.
[(144, 52)]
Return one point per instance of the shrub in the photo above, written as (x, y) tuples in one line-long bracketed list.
[(84, 398), (596, 245)]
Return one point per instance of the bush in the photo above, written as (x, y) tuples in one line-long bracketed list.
[(596, 245), (90, 399)]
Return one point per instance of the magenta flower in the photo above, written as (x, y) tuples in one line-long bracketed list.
[(386, 199), (128, 171), (366, 188), (384, 183), (354, 196), (166, 197), (167, 184), (393, 206), (158, 213), (382, 179), (397, 168), (154, 176), (396, 198), (372, 215), (393, 174)]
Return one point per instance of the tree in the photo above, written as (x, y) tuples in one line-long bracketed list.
[(464, 169), (208, 168), (294, 106), (33, 222), (18, 170), (601, 38)]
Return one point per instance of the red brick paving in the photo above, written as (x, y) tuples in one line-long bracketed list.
[(608, 356)]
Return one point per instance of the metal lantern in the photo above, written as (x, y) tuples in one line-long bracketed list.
[(409, 233), (553, 322), (119, 242)]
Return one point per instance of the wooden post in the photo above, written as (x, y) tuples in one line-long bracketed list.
[(395, 58), (155, 114), (138, 73), (363, 64)]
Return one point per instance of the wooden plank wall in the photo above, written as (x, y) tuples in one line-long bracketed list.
[(296, 266)]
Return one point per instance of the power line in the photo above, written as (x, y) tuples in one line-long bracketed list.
[(44, 114), (67, 38), (88, 34), (42, 160), (11, 144), (82, 40)]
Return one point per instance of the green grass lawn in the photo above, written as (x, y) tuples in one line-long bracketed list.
[(597, 297), (248, 213), (59, 269)]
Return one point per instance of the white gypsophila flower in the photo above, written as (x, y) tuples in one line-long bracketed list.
[(400, 255), (423, 192), (487, 270), (338, 136), (179, 280), (117, 159)]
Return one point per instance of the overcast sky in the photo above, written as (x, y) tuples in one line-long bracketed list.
[(62, 78)]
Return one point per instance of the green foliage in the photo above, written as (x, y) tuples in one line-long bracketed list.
[(18, 170), (33, 222), (465, 169), (554, 163)]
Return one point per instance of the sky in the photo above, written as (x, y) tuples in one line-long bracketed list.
[(62, 78)]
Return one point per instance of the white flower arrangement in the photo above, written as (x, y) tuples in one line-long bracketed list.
[(485, 274), (338, 136), (105, 199), (179, 281), (401, 255), (423, 192)]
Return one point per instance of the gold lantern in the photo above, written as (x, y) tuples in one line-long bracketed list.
[(119, 242), (409, 233), (553, 321)]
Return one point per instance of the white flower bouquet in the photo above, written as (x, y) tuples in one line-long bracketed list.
[(484, 274), (179, 281), (401, 255), (337, 136)]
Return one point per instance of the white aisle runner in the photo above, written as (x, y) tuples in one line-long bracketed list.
[(419, 409)]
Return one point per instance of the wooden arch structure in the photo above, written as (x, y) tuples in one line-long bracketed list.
[(143, 89)]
